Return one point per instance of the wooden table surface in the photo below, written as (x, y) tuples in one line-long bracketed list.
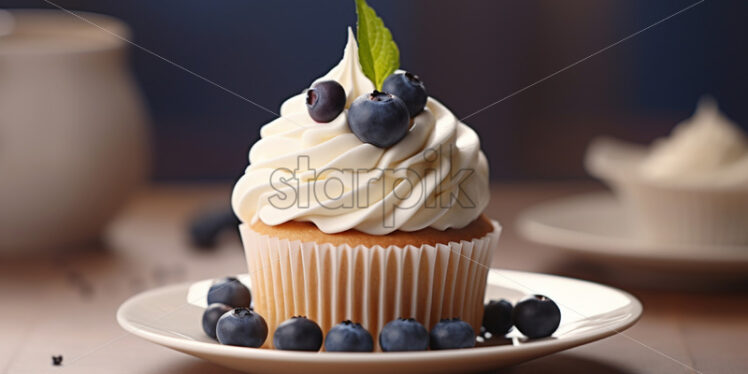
[(66, 303)]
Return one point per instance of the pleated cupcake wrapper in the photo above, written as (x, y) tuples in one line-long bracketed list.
[(369, 285)]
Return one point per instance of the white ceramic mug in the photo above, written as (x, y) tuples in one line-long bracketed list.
[(73, 136)]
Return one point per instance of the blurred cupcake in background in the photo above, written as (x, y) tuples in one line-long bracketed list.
[(688, 188)]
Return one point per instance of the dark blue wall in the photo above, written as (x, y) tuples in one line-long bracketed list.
[(470, 53)]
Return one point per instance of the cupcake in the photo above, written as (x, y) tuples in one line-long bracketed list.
[(367, 209), (690, 188)]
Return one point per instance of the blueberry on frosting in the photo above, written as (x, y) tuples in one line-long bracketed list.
[(325, 101), (379, 118), (409, 88)]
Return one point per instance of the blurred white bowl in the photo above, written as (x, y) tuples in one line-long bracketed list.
[(73, 139), (670, 213)]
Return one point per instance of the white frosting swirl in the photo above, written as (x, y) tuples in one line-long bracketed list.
[(301, 170), (705, 149)]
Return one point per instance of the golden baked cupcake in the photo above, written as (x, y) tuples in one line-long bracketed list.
[(364, 201)]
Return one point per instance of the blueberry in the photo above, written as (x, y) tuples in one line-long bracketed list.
[(298, 334), (325, 101), (231, 292), (207, 225), (348, 337), (497, 317), (242, 327), (404, 335), (409, 88), (379, 119), (452, 334), (536, 316), (210, 317)]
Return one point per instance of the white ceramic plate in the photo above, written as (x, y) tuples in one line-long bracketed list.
[(171, 316), (595, 226)]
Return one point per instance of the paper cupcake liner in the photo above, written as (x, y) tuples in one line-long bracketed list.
[(670, 214), (369, 285)]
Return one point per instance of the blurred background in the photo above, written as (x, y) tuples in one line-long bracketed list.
[(470, 54), (116, 165)]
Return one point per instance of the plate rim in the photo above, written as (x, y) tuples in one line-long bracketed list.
[(556, 345), (558, 237)]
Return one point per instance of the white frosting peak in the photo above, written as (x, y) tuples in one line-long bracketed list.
[(348, 73), (707, 146), (301, 170)]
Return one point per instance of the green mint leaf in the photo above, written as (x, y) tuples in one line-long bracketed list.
[(377, 52)]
